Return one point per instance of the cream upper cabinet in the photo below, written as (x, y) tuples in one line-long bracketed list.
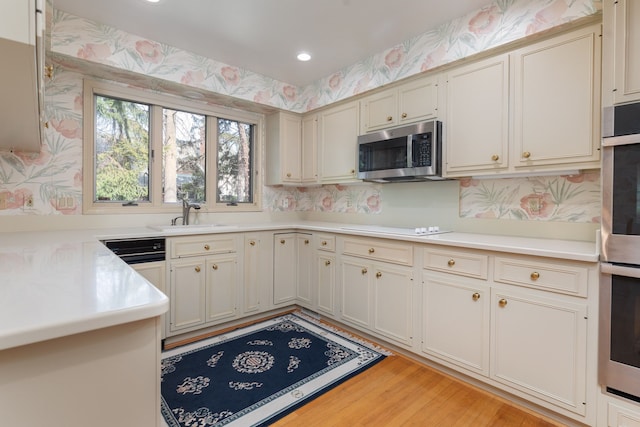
[(535, 109), (622, 51), (556, 108), (338, 135), (291, 149), (400, 105), (477, 125)]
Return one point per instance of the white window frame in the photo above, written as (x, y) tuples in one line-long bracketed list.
[(157, 102)]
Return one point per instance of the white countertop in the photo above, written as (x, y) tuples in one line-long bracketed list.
[(59, 283)]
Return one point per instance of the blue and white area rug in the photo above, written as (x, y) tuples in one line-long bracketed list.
[(255, 375)]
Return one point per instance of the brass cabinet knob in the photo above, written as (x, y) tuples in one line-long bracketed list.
[(451, 262), (389, 118), (197, 269), (404, 115), (495, 157), (535, 275), (378, 275), (289, 175), (282, 242), (214, 266), (48, 71), (207, 247), (475, 296), (353, 171), (526, 154), (502, 302), (371, 250), (327, 262), (364, 271), (323, 243), (306, 241), (252, 242)]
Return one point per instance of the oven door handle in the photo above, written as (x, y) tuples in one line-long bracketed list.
[(619, 270), (613, 141)]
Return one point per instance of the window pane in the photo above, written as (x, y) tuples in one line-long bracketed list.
[(235, 152), (122, 150), (183, 156)]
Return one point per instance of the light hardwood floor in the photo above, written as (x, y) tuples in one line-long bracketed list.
[(401, 392)]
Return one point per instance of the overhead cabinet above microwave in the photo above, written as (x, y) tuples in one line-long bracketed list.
[(21, 88)]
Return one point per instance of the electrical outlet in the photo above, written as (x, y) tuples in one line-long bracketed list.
[(28, 202), (285, 203)]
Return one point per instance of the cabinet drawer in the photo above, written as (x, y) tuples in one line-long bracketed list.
[(559, 276), (458, 262), (202, 245), (379, 250), (326, 242)]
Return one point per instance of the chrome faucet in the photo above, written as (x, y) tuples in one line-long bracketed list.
[(186, 207)]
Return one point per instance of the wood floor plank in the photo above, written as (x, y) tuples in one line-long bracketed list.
[(402, 392)]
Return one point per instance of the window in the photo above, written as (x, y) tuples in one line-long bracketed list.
[(146, 153)]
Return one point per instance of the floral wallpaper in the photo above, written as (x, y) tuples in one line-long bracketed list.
[(574, 198), (50, 182), (363, 199), (500, 22)]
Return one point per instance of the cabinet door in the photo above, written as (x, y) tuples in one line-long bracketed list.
[(557, 100), (418, 100), (222, 287), (539, 347), (392, 302), (326, 278), (627, 49), (290, 151), (187, 289), (154, 272), (338, 143), (379, 111), (456, 321), (252, 274), (304, 263), (477, 126), (309, 149), (284, 268), (355, 277)]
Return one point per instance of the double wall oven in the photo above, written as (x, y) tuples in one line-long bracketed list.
[(619, 341)]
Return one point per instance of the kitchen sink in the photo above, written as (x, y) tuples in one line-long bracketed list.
[(191, 227)]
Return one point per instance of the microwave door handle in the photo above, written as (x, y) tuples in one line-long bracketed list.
[(619, 270), (409, 151)]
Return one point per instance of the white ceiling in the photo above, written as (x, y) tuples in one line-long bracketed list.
[(264, 36)]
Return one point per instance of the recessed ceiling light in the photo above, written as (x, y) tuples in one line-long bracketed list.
[(304, 56), (153, 1)]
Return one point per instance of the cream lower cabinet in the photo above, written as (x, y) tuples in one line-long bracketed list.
[(258, 277), (377, 288), (156, 273), (539, 346), (456, 321), (203, 288), (292, 266), (324, 282)]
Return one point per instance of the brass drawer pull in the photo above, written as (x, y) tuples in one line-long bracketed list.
[(475, 296), (502, 302), (451, 262), (197, 269), (526, 154), (378, 275), (404, 115), (282, 242), (324, 243), (327, 262), (389, 118), (289, 175), (371, 250), (495, 157), (535, 275), (306, 241), (252, 242), (364, 271), (214, 266), (207, 247)]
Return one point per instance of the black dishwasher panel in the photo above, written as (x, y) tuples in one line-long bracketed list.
[(137, 251)]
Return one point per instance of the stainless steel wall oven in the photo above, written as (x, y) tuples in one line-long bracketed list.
[(619, 326)]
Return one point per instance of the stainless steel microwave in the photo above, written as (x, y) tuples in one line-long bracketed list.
[(408, 153)]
